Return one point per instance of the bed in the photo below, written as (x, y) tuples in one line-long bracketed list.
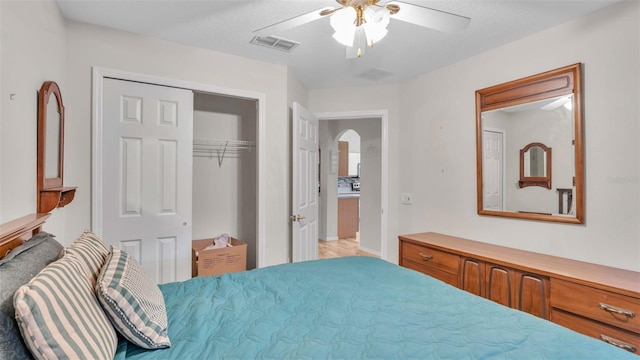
[(354, 307)]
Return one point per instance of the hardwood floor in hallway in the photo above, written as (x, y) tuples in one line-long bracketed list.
[(341, 248)]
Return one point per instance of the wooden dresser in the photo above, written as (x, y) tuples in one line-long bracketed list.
[(595, 300)]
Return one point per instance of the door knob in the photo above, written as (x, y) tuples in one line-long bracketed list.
[(296, 217)]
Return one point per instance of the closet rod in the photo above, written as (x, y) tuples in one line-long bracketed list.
[(220, 147)]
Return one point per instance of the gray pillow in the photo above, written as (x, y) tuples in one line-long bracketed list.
[(16, 269)]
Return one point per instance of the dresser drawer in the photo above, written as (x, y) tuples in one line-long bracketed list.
[(615, 336), (607, 307), (449, 278), (431, 257)]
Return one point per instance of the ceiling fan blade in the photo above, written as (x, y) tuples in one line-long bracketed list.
[(329, 11), (293, 22), (430, 18)]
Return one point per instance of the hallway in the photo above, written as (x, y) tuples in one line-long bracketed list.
[(341, 248)]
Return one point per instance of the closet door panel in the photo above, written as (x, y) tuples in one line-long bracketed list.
[(146, 175), (168, 176)]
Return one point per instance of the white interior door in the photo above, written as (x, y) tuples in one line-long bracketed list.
[(146, 175), (492, 171), (305, 184)]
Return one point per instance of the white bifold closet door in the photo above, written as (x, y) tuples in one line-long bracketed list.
[(147, 144)]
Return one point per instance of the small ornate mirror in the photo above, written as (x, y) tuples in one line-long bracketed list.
[(53, 135), (535, 166), (517, 125), (51, 193)]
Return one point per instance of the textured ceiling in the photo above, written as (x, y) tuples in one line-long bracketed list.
[(320, 62)]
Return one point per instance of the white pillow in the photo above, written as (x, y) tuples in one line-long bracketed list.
[(59, 316), (91, 251)]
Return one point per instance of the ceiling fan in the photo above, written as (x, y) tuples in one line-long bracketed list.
[(361, 23)]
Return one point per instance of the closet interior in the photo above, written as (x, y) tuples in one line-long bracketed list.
[(225, 166)]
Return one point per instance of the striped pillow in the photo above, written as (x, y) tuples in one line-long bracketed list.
[(133, 301), (91, 251), (59, 316)]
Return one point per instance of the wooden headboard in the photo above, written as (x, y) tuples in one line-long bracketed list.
[(15, 232)]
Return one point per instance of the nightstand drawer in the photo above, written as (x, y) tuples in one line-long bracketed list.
[(612, 335), (431, 257), (607, 307)]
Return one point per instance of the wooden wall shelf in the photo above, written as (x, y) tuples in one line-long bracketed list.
[(55, 197)]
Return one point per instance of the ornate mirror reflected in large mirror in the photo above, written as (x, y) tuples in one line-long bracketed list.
[(518, 124), (535, 166)]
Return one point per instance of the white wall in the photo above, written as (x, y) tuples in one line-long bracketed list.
[(438, 141), (33, 51)]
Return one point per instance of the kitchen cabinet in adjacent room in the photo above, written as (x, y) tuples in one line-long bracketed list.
[(348, 217)]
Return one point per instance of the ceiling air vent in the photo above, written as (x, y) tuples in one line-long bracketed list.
[(275, 42), (375, 74)]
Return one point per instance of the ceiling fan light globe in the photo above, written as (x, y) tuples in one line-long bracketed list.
[(344, 37), (360, 41), (377, 16), (374, 33), (343, 18), (343, 23), (376, 24)]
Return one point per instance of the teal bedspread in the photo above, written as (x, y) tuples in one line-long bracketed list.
[(351, 308)]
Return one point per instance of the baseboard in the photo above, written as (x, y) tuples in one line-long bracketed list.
[(370, 251), (330, 238)]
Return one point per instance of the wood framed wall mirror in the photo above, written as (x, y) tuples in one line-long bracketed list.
[(518, 123), (51, 192)]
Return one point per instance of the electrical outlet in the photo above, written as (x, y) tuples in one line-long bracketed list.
[(406, 198)]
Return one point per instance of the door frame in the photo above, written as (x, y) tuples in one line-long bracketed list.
[(98, 75), (383, 115)]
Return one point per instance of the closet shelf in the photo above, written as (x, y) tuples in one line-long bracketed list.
[(220, 148)]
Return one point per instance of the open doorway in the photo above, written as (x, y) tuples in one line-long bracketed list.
[(224, 192), (352, 197)]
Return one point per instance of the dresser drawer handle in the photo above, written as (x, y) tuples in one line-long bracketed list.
[(426, 256), (617, 310), (618, 343)]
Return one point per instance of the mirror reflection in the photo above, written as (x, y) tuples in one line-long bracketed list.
[(535, 162), (529, 148), (52, 142), (524, 130)]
